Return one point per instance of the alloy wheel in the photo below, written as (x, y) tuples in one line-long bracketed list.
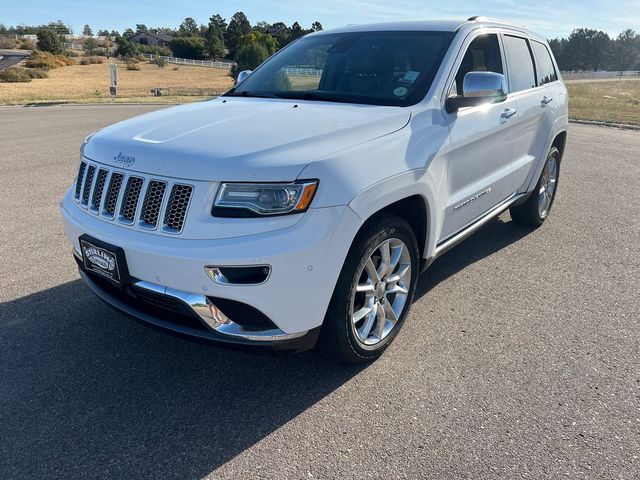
[(380, 294), (548, 185)]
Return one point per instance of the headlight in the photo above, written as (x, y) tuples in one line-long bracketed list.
[(257, 199)]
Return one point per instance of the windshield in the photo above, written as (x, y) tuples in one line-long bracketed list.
[(378, 68)]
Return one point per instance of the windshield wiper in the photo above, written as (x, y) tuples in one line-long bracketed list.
[(256, 94), (323, 97)]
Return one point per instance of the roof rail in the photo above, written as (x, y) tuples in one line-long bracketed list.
[(476, 17)]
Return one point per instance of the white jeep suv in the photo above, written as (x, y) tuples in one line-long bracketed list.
[(301, 206)]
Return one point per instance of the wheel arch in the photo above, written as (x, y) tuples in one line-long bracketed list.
[(408, 198)]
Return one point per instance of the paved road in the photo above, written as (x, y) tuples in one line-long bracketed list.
[(9, 58), (520, 358)]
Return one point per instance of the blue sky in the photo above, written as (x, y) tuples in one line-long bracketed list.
[(551, 18)]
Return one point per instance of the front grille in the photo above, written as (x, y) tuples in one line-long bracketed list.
[(130, 199), (177, 208), (91, 171), (79, 179), (106, 192), (152, 204), (112, 195), (96, 198)]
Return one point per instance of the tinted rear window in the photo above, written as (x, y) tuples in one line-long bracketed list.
[(519, 64), (544, 65)]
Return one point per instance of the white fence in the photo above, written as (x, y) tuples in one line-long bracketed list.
[(303, 72), (599, 75), (187, 61)]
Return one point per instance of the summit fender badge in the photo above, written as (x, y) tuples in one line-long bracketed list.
[(472, 199)]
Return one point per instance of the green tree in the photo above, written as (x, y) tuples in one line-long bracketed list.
[(126, 48), (141, 27), (50, 41), (214, 37), (296, 32), (281, 32), (188, 47), (587, 49), (264, 39), (91, 45), (215, 47), (238, 27), (316, 27), (626, 51), (188, 27), (104, 33), (128, 33), (249, 57), (86, 31)]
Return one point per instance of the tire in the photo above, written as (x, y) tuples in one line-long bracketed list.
[(535, 210), (360, 325)]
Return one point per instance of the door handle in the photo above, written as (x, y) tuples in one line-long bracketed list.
[(546, 100), (508, 113)]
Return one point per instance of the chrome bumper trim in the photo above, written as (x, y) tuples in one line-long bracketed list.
[(215, 319)]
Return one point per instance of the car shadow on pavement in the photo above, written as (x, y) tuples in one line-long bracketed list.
[(491, 238), (87, 393)]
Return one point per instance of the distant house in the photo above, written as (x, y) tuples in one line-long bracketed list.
[(152, 39)]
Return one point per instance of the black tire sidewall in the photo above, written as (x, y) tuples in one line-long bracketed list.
[(387, 226)]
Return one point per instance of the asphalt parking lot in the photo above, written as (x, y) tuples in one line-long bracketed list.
[(520, 359)]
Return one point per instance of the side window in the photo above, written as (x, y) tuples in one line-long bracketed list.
[(521, 72), (483, 55), (544, 65)]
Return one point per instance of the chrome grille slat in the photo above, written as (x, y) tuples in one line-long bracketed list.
[(177, 207), (98, 190), (130, 199), (113, 192), (152, 204), (88, 183), (135, 200)]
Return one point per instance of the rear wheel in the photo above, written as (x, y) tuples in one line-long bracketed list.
[(536, 209), (373, 293)]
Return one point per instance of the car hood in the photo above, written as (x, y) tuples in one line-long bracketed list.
[(240, 139)]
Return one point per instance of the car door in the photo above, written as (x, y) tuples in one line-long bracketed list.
[(480, 154), (531, 80)]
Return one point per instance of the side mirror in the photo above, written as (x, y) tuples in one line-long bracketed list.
[(242, 76), (479, 88)]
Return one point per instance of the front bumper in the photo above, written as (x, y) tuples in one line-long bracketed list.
[(305, 259), (188, 323)]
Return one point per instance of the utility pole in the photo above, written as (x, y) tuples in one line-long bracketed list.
[(114, 80)]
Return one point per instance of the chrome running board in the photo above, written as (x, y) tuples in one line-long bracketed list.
[(452, 241)]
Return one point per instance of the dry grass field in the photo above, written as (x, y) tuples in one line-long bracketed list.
[(615, 101), (90, 84)]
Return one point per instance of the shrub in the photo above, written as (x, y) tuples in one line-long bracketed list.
[(132, 65), (47, 61), (188, 47), (14, 75), (153, 50), (36, 73), (6, 42), (91, 60), (160, 62), (26, 44)]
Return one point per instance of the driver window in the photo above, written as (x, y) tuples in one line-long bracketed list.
[(483, 55)]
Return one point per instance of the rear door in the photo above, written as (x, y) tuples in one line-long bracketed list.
[(531, 78), (480, 155)]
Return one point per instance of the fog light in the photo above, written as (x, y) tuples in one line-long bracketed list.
[(252, 275)]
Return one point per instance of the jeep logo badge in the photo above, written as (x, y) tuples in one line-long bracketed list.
[(124, 160)]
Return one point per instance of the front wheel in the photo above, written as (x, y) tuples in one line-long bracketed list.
[(536, 209), (373, 293)]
